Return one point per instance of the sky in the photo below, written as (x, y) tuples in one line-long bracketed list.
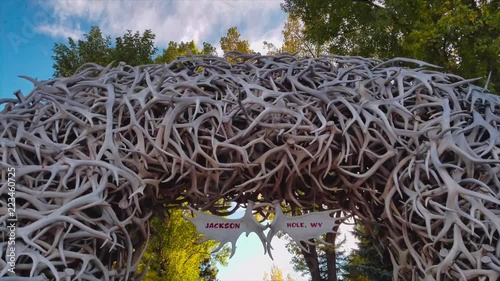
[(29, 29), (250, 264)]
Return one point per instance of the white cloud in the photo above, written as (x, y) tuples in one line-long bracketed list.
[(175, 20), (59, 31), (273, 36)]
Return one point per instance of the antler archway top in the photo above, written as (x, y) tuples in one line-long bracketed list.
[(414, 150)]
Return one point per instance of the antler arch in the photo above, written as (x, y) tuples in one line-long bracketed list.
[(413, 150)]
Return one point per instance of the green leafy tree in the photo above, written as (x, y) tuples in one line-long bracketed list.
[(173, 254), (463, 36), (321, 262), (208, 268), (66, 58), (271, 48), (232, 42), (208, 49), (175, 50), (134, 49), (295, 41), (276, 275), (94, 48), (370, 261)]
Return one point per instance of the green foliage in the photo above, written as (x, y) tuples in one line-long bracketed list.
[(271, 49), (276, 275), (95, 48), (208, 49), (175, 50), (232, 42), (208, 268), (461, 35), (173, 255), (134, 49), (366, 263), (66, 58), (295, 42), (363, 264), (323, 262)]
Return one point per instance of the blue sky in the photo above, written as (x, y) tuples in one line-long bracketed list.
[(29, 30), (23, 50)]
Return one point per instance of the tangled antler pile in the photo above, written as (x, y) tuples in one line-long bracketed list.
[(414, 151)]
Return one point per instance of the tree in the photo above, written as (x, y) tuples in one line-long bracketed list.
[(463, 36), (173, 255), (232, 42), (95, 48), (208, 268), (295, 42), (366, 262), (271, 48), (175, 50), (276, 275), (208, 49), (134, 49), (321, 262), (66, 58)]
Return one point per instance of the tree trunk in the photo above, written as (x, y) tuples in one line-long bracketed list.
[(312, 260), (331, 251), (312, 263), (331, 257)]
